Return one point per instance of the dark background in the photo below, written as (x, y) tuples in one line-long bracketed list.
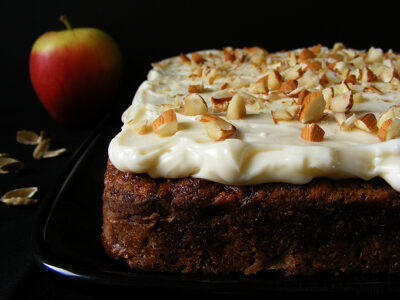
[(146, 31)]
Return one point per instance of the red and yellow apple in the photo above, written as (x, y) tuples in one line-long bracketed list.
[(75, 72)]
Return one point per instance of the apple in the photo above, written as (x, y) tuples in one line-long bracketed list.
[(75, 73)]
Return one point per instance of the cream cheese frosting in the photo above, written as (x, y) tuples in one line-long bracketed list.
[(263, 149)]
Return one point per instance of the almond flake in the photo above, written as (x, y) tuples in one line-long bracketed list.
[(141, 127), (348, 124), (302, 94), (27, 137), (218, 129), (41, 148), (166, 124), (22, 196), (10, 165), (54, 153), (313, 133), (305, 55), (368, 75)]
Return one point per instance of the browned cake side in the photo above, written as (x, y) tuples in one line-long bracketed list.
[(192, 225)]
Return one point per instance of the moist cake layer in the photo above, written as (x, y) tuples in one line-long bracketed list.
[(267, 145)]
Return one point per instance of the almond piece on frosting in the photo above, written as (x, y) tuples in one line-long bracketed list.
[(221, 99), (366, 122), (218, 129), (195, 88), (313, 133), (392, 112), (288, 86), (166, 124), (193, 105), (260, 87), (236, 108), (390, 129), (274, 80), (312, 109), (342, 103), (184, 58)]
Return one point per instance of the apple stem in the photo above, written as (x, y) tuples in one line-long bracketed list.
[(66, 22)]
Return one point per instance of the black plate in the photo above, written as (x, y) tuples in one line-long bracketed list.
[(66, 240)]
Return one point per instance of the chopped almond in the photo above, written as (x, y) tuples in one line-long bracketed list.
[(260, 87), (305, 55), (218, 129), (392, 112), (374, 55), (390, 129), (197, 58), (303, 93), (324, 80), (368, 76), (314, 65), (313, 133), (194, 105), (184, 58), (342, 102), (221, 100), (196, 88), (166, 124), (229, 54), (312, 109), (236, 108), (316, 49), (348, 124), (351, 79), (224, 86), (274, 80), (366, 122), (285, 114), (288, 86)]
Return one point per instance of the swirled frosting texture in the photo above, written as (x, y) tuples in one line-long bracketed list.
[(262, 150)]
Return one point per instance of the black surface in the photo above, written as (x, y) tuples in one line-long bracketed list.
[(146, 31)]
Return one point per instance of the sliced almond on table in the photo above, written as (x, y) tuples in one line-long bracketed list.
[(28, 137), (236, 108), (313, 133), (193, 105), (10, 165), (312, 109), (54, 153), (390, 129), (366, 122), (217, 128), (21, 196), (41, 148), (166, 124), (342, 103)]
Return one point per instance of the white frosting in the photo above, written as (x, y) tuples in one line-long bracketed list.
[(262, 151)]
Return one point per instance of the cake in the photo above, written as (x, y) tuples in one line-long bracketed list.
[(241, 161)]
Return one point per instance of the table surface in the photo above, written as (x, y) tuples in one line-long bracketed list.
[(146, 32)]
